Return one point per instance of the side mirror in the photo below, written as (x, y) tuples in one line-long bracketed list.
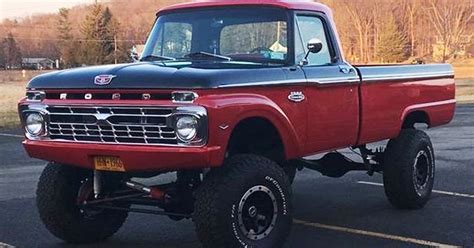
[(135, 57), (314, 46)]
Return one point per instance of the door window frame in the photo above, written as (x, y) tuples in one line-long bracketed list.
[(336, 58)]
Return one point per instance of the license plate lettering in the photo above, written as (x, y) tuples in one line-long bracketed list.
[(108, 164)]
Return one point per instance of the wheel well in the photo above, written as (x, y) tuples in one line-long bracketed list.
[(257, 136), (416, 117)]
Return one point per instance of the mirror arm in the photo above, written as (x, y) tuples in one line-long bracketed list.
[(304, 61)]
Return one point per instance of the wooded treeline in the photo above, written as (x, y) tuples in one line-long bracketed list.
[(85, 34), (394, 31), (371, 31)]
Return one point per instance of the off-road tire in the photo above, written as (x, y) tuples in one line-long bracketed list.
[(403, 189), (56, 199), (217, 202)]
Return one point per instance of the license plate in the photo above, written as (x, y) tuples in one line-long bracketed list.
[(108, 164)]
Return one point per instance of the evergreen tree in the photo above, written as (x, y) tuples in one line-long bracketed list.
[(110, 36), (99, 30), (67, 45), (392, 43), (11, 52)]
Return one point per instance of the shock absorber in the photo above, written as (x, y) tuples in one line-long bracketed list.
[(97, 183)]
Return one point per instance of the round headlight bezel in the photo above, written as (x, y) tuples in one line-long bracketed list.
[(34, 124), (187, 127)]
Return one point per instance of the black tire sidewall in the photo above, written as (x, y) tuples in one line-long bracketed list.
[(399, 169), (283, 215), (218, 198), (57, 193)]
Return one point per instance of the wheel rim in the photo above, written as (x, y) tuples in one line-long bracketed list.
[(257, 212), (422, 171)]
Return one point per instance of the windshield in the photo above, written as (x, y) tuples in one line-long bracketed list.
[(257, 35)]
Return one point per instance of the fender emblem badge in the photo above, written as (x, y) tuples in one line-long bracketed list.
[(296, 96)]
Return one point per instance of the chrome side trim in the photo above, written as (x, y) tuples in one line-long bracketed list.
[(368, 74), (334, 80), (407, 76), (338, 80), (278, 82)]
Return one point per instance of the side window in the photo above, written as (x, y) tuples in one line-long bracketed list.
[(176, 38), (307, 28)]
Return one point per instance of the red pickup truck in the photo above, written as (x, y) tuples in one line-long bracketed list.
[(231, 97)]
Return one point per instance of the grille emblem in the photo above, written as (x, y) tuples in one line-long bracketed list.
[(88, 96), (63, 96), (102, 119), (104, 79), (296, 96)]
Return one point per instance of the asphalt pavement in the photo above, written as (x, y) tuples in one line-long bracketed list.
[(347, 212)]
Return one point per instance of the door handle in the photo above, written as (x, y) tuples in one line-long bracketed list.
[(346, 69)]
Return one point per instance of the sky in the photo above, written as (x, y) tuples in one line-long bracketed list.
[(21, 8)]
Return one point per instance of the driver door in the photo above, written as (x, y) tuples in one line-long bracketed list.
[(332, 88)]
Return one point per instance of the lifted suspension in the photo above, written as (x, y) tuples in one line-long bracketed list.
[(335, 164), (175, 199)]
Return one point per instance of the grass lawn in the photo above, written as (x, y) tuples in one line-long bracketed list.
[(465, 90), (10, 94)]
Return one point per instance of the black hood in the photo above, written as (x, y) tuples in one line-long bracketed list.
[(149, 75)]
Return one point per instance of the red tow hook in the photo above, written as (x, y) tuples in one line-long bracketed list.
[(154, 192), (157, 194)]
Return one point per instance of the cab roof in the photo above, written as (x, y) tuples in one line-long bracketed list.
[(286, 4)]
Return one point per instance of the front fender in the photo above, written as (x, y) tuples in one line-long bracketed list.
[(226, 111)]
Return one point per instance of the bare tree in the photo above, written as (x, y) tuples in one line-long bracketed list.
[(409, 11), (450, 19), (362, 17)]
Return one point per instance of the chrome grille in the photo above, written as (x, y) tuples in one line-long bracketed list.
[(121, 125)]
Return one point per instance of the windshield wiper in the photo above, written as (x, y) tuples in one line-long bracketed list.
[(156, 58), (203, 55)]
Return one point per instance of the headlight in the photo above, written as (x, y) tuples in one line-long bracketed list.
[(34, 124), (186, 128)]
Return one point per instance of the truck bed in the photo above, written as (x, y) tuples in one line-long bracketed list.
[(389, 94)]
